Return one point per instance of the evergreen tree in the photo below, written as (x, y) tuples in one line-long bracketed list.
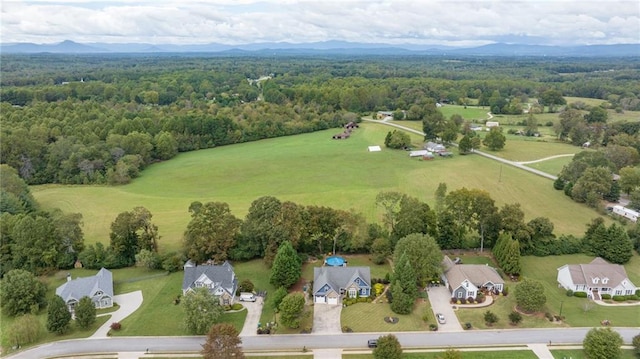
[(602, 343), (530, 295), (291, 308), (620, 247), (403, 287), (85, 313), (388, 348), (286, 268), (58, 316)]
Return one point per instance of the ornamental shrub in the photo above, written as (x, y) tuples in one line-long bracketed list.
[(569, 293), (619, 298), (606, 296), (580, 294)]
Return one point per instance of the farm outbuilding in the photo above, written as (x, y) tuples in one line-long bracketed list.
[(626, 213), (419, 153)]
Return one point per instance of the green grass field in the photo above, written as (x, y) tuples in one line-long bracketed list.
[(498, 354), (306, 169), (552, 166), (579, 354)]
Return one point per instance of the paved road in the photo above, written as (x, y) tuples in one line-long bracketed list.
[(484, 154), (565, 336)]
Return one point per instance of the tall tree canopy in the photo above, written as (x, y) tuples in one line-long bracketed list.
[(211, 233), (424, 255)]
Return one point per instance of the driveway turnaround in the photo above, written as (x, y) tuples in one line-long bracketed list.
[(129, 303), (440, 299), (326, 319), (253, 317)]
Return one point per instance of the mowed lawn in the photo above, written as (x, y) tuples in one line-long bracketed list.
[(369, 317), (579, 312), (309, 169)]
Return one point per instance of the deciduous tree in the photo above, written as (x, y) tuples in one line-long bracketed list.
[(223, 342), (602, 343), (202, 310), (291, 308), (21, 293), (530, 295), (211, 233), (423, 254), (495, 140), (388, 348)]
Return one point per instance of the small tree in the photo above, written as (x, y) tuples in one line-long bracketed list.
[(530, 295), (515, 318), (201, 309), (85, 313), (495, 140), (602, 343), (246, 286), (490, 318), (451, 354), (291, 309), (636, 345), (21, 292), (388, 348), (58, 316), (222, 342), (286, 268), (276, 298)]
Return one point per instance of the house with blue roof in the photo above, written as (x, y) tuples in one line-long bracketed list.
[(331, 284), (98, 287), (219, 279)]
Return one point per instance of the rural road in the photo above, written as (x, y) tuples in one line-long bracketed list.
[(560, 336), (484, 154)]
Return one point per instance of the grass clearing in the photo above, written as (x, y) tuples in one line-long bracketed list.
[(369, 317), (302, 169), (579, 354), (553, 166), (578, 312), (498, 354)]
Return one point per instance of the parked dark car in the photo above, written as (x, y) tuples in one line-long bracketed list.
[(372, 343)]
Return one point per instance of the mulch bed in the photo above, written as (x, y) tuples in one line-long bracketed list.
[(391, 320)]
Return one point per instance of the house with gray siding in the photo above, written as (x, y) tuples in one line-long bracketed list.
[(466, 280), (98, 287), (331, 284)]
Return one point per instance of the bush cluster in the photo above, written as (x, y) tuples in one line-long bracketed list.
[(116, 326), (580, 294), (569, 293)]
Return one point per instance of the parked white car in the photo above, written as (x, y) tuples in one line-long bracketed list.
[(440, 318), (247, 297)]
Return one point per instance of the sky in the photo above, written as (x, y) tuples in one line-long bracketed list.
[(235, 22)]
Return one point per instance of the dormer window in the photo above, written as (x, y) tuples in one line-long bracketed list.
[(99, 292), (596, 280), (605, 280)]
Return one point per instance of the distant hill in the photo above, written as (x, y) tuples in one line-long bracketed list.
[(329, 47)]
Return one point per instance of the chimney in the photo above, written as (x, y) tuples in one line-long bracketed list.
[(68, 277)]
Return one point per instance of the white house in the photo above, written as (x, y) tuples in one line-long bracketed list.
[(490, 124), (596, 278), (626, 213)]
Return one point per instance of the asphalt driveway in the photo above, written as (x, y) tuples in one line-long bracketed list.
[(440, 303), (326, 319)]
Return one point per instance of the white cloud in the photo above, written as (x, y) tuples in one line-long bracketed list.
[(249, 21)]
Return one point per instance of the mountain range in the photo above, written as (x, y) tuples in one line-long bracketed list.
[(326, 47)]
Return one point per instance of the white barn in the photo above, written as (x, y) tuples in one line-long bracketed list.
[(626, 213)]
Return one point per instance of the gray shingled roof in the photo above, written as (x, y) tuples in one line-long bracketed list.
[(478, 274), (87, 286), (223, 275), (598, 268), (339, 277)]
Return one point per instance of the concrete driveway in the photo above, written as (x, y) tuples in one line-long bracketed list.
[(440, 299), (129, 303), (326, 319), (254, 309)]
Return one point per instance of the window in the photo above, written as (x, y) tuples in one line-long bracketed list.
[(618, 292), (605, 280), (596, 280), (459, 294), (353, 293), (629, 292)]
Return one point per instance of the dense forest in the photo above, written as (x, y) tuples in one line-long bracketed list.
[(102, 118)]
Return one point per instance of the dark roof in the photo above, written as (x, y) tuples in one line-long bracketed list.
[(87, 286), (222, 276), (339, 277)]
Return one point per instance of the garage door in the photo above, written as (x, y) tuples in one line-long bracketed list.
[(333, 300), (321, 299)]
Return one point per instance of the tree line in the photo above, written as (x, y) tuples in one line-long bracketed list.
[(106, 118)]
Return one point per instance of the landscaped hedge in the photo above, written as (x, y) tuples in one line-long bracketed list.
[(580, 294), (606, 296), (619, 298)]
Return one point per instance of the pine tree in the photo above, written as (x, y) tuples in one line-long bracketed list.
[(620, 247), (58, 316), (286, 268), (403, 286)]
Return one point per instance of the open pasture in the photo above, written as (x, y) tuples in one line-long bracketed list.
[(309, 169)]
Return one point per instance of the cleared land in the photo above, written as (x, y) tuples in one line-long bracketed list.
[(307, 169)]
